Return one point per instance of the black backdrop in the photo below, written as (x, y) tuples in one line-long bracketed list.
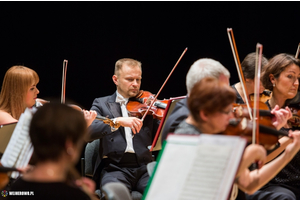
[(93, 35)]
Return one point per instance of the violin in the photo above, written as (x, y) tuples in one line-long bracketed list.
[(295, 109), (4, 177), (137, 106), (114, 126), (294, 104), (259, 122), (242, 125), (157, 111), (263, 97)]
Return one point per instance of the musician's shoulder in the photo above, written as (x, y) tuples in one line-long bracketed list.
[(6, 118)]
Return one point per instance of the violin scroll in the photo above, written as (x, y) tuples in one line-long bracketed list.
[(113, 125)]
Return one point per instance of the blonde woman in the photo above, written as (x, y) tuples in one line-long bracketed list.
[(18, 92)]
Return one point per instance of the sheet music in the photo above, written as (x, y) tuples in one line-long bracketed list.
[(19, 149), (196, 167)]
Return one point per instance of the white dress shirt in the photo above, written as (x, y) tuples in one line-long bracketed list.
[(128, 134)]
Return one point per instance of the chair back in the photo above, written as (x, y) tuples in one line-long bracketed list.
[(116, 191), (90, 157)]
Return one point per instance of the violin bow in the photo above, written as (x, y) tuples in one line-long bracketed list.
[(63, 87), (297, 52), (105, 120), (238, 67), (163, 84), (255, 130)]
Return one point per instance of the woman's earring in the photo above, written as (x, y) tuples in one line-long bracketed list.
[(273, 84)]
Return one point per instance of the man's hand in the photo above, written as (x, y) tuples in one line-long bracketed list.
[(132, 122)]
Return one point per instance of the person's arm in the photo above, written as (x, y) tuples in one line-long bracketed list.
[(98, 129), (251, 181), (252, 153), (89, 116), (283, 142)]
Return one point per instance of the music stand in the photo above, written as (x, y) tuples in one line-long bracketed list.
[(6, 131), (156, 144)]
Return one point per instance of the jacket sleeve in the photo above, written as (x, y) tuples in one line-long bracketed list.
[(98, 129)]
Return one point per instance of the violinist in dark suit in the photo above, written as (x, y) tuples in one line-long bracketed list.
[(123, 153)]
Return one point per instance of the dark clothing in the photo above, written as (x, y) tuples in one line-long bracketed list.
[(113, 144), (45, 191), (127, 171), (275, 192), (179, 114), (187, 129), (239, 99), (285, 185)]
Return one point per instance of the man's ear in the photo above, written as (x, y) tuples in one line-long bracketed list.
[(115, 79)]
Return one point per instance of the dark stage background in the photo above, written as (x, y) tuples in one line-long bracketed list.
[(93, 35)]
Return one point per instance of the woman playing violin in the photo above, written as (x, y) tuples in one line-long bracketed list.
[(210, 104), (57, 132), (281, 76), (18, 92), (248, 68)]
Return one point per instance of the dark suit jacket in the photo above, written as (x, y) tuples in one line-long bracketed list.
[(179, 113), (113, 144)]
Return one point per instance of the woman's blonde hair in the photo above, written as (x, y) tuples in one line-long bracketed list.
[(16, 83)]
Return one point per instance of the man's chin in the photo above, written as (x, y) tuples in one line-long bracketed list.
[(133, 94)]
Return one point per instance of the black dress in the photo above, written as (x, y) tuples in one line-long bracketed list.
[(287, 180)]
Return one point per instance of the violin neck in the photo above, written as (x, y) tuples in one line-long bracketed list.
[(99, 117)]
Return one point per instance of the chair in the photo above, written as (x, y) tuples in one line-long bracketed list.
[(90, 157), (88, 163), (116, 191), (150, 167)]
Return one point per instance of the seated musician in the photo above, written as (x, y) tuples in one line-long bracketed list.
[(248, 68), (57, 132), (210, 104), (18, 91), (281, 76), (204, 67), (122, 157)]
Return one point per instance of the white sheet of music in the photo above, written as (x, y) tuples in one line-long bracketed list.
[(19, 149), (196, 168)]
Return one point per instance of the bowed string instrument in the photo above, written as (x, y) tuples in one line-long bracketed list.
[(114, 126), (145, 104), (263, 132)]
